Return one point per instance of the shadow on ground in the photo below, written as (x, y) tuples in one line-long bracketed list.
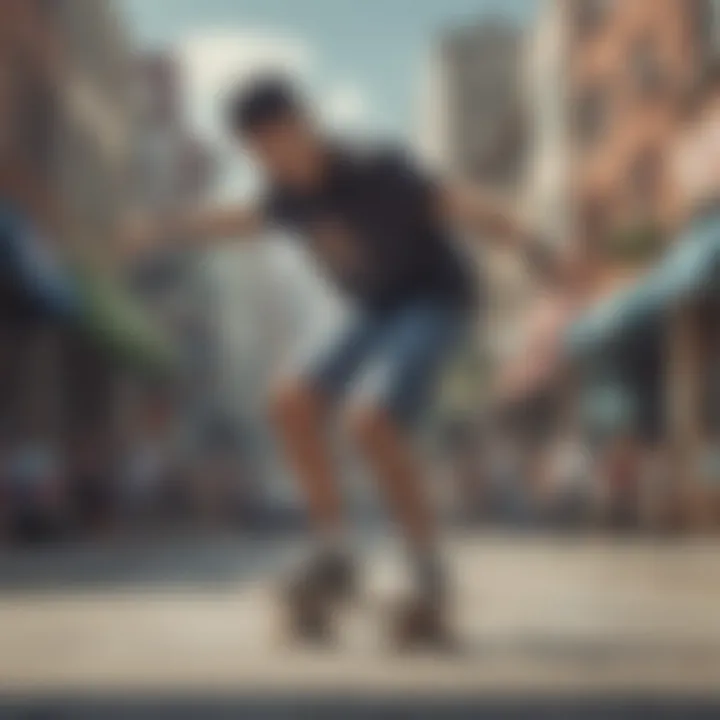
[(353, 708)]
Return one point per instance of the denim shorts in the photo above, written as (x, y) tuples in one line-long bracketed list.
[(392, 360)]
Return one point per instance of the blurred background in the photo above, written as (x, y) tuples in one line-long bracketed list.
[(135, 456)]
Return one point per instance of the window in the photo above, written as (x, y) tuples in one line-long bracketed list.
[(648, 73), (707, 31), (590, 15), (593, 226), (35, 116), (713, 26), (590, 116), (50, 8), (645, 180), (9, 106)]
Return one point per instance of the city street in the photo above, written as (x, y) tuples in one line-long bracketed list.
[(492, 227), (542, 618)]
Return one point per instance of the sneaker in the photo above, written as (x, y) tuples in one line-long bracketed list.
[(313, 594), (421, 621)]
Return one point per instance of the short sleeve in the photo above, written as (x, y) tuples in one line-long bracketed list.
[(400, 171), (410, 192)]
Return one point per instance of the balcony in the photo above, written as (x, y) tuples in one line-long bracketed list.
[(707, 31), (590, 16), (33, 36)]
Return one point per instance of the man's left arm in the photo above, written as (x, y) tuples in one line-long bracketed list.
[(493, 218), (480, 212)]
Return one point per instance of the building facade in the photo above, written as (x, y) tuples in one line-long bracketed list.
[(546, 182), (634, 67), (67, 127), (473, 122), (638, 95), (66, 143), (173, 170), (608, 83), (474, 126)]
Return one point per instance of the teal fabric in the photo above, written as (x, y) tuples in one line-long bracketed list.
[(690, 269), (608, 407), (30, 267), (613, 319)]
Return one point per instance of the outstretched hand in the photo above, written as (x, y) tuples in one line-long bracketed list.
[(140, 234)]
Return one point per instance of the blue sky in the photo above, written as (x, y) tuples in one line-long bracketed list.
[(362, 59)]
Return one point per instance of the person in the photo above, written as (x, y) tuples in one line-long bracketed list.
[(383, 230), (569, 491), (35, 490), (657, 489), (464, 446), (506, 492), (623, 468), (709, 473), (89, 486), (145, 471)]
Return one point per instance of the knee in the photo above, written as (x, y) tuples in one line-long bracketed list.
[(294, 404), (366, 423)]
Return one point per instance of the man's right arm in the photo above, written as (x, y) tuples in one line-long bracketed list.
[(196, 228)]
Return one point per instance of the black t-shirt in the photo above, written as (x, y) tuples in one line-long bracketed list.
[(374, 224)]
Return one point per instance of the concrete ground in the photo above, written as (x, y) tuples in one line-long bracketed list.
[(548, 619)]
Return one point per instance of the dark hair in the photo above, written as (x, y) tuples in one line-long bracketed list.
[(264, 100)]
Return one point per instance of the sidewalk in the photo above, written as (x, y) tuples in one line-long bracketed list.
[(538, 616)]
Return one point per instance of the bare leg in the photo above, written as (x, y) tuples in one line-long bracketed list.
[(388, 451), (422, 617), (299, 415), (326, 576)]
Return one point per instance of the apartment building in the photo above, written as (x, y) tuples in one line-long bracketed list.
[(67, 131), (474, 125), (643, 116)]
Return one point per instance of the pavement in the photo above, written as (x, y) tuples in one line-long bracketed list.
[(550, 627)]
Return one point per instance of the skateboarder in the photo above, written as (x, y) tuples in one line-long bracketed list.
[(384, 232)]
